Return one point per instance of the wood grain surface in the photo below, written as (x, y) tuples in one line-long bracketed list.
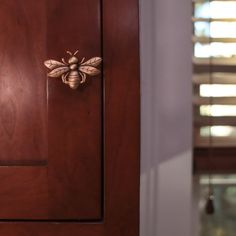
[(23, 100), (74, 117), (42, 121), (120, 94), (122, 117)]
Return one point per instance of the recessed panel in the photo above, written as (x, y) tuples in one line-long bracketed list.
[(23, 104)]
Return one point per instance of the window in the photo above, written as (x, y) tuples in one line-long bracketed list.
[(214, 86), (214, 79)]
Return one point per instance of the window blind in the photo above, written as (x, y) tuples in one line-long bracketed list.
[(214, 73)]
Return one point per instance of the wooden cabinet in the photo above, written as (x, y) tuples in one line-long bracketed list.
[(69, 159)]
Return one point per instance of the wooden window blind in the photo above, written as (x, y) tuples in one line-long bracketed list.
[(214, 73)]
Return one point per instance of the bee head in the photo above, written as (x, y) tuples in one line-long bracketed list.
[(73, 60)]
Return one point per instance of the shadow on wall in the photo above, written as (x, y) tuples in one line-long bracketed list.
[(166, 70)]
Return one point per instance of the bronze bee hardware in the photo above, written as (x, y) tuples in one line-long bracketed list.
[(73, 72)]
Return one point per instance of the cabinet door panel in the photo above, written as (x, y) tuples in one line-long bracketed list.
[(23, 192), (23, 98), (74, 117), (51, 136)]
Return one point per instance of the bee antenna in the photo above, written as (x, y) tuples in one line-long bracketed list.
[(76, 52), (69, 52)]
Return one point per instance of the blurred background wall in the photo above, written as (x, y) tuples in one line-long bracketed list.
[(166, 71)]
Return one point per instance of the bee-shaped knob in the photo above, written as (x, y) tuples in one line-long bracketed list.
[(73, 72)]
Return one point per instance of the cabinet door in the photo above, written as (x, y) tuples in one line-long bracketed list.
[(69, 158), (51, 135)]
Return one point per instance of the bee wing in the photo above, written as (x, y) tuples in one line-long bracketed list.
[(52, 64), (95, 61), (89, 70), (58, 71)]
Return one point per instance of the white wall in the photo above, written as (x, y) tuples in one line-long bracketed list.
[(166, 165)]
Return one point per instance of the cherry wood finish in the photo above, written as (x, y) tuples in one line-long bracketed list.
[(74, 117), (21, 188), (120, 162), (22, 50), (45, 123), (122, 122)]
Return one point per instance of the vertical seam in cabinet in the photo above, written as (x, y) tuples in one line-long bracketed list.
[(103, 114)]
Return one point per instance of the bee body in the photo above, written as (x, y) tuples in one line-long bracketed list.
[(72, 72), (73, 79), (74, 66)]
